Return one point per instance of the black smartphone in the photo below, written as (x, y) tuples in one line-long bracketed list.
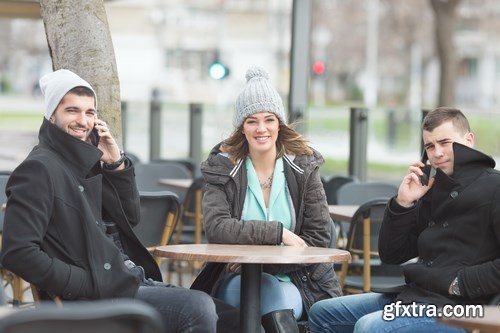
[(94, 137), (428, 170)]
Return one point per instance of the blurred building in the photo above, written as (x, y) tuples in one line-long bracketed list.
[(170, 45)]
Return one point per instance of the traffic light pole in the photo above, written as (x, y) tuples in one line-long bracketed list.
[(299, 62)]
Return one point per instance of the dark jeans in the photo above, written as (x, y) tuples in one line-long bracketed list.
[(185, 310)]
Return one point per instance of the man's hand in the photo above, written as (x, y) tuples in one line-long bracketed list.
[(411, 189), (291, 239), (107, 144)]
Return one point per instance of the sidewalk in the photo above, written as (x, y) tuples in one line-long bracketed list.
[(15, 147)]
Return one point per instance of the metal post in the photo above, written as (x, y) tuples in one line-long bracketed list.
[(250, 298), (299, 62), (424, 113), (358, 142), (195, 147), (154, 126), (124, 117)]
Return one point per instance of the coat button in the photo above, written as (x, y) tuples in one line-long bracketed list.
[(454, 194), (304, 278), (80, 187), (431, 224), (107, 266)]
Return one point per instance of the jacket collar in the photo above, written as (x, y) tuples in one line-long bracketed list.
[(219, 164), (467, 160), (79, 155), (468, 164)]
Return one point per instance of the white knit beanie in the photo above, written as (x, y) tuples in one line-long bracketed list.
[(258, 96), (56, 84)]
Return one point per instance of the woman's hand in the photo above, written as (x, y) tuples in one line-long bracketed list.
[(291, 239)]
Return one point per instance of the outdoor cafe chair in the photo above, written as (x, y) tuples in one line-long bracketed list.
[(188, 163), (160, 212), (103, 316), (189, 224), (333, 185), (147, 175), (366, 272), (357, 193)]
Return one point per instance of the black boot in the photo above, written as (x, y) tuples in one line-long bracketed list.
[(280, 321)]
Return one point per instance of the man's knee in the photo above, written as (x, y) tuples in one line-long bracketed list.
[(369, 323), (201, 302), (318, 314)]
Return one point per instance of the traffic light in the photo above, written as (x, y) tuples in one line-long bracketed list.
[(318, 67), (217, 70)]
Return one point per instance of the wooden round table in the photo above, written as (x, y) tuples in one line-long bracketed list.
[(252, 257)]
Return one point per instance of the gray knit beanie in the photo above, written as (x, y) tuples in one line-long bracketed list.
[(56, 84), (258, 96)]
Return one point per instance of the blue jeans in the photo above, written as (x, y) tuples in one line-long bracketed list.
[(363, 313), (185, 310), (274, 294)]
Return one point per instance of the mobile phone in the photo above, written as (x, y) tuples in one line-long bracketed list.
[(94, 137), (428, 170)]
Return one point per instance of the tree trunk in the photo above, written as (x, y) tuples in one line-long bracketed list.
[(79, 40), (445, 16)]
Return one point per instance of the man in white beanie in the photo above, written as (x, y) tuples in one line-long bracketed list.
[(71, 207)]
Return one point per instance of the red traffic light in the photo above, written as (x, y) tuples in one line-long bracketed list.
[(318, 67)]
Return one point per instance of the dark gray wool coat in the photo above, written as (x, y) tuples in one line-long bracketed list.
[(223, 201), (53, 237)]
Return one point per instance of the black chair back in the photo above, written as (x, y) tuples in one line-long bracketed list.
[(103, 316), (359, 193), (334, 184), (147, 176), (160, 211)]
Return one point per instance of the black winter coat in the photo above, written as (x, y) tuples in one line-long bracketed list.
[(54, 236), (454, 230)]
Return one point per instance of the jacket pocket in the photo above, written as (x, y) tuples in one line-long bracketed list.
[(325, 280)]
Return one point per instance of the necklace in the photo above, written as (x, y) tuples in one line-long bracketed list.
[(266, 183)]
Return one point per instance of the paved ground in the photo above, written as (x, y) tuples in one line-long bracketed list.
[(15, 146)]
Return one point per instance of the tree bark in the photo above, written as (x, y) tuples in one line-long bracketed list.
[(445, 17), (79, 40)]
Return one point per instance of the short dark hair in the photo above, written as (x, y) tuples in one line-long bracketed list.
[(82, 91), (443, 114)]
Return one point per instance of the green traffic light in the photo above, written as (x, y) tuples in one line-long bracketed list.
[(217, 71)]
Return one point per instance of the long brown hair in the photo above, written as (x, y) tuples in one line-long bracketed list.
[(289, 141)]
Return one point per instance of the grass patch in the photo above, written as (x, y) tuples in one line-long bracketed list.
[(22, 121)]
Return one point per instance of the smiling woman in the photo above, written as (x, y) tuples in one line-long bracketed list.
[(259, 183)]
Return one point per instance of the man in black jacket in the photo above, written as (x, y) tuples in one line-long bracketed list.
[(450, 222), (61, 199)]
